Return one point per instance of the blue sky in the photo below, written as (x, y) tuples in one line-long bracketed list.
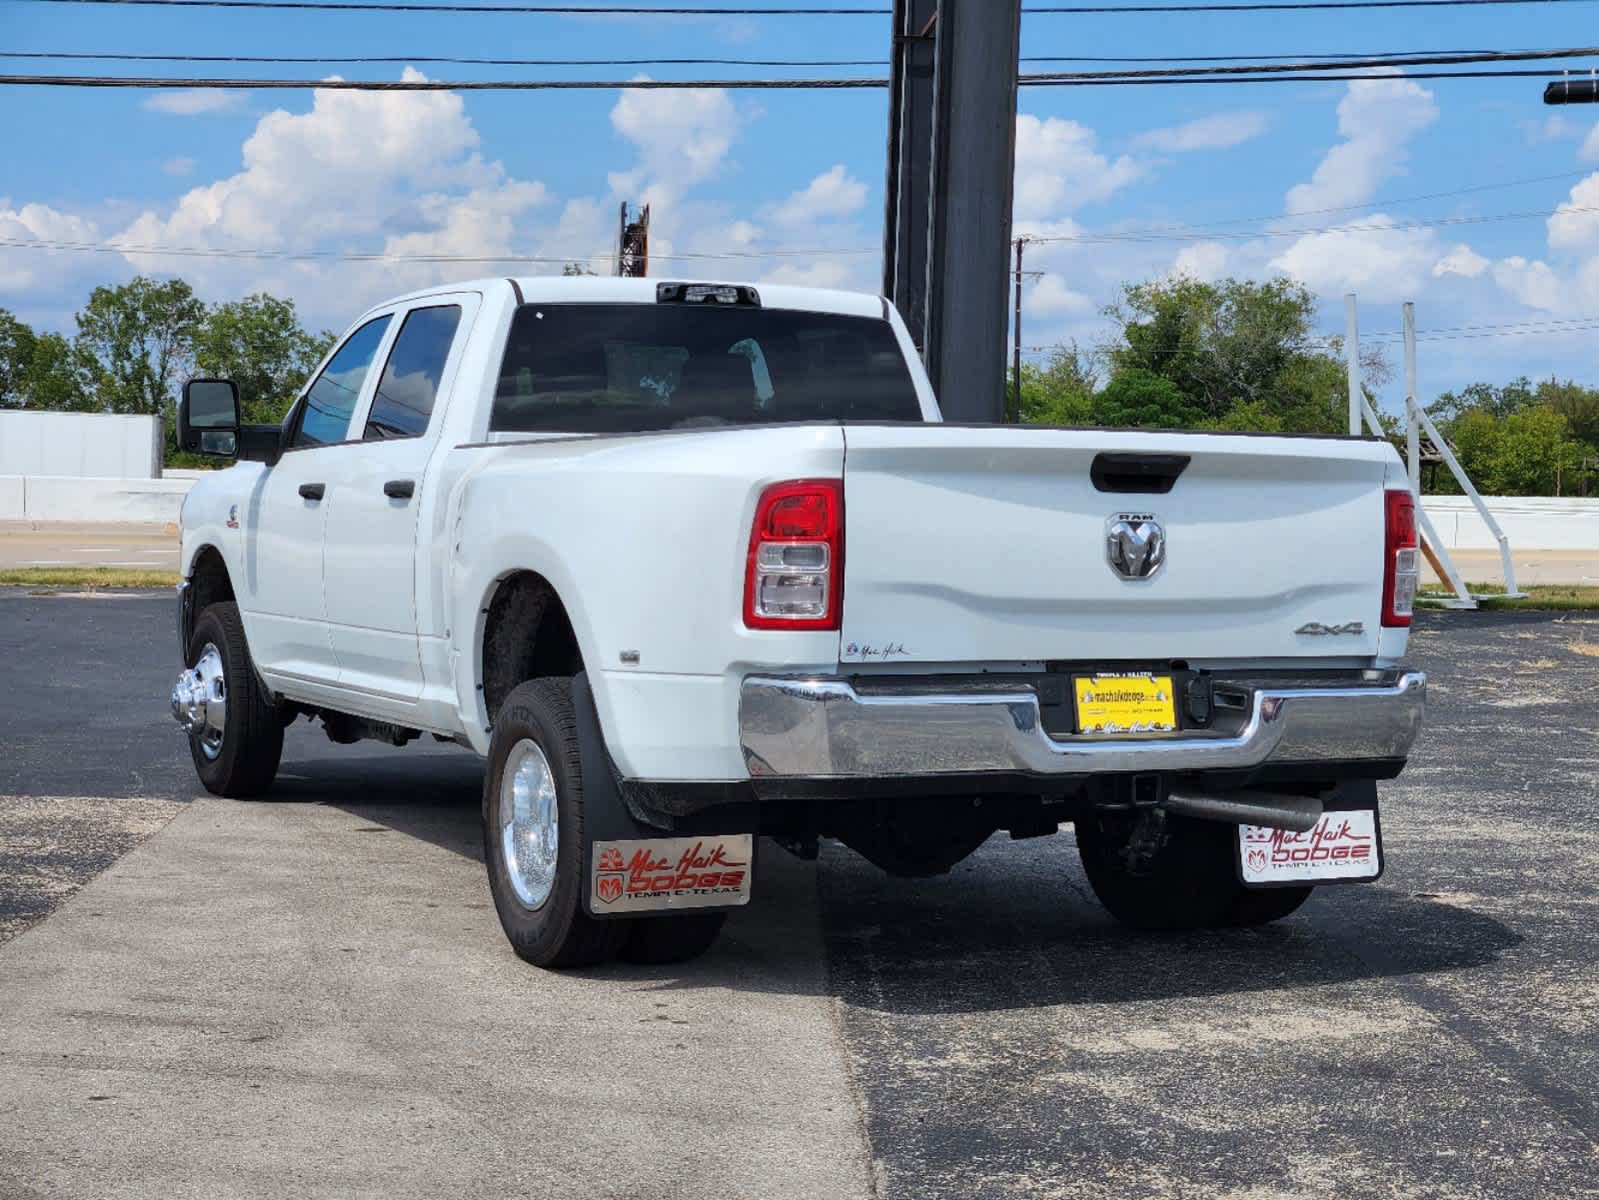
[(789, 184)]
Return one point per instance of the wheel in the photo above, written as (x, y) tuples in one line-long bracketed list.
[(673, 939), (533, 831), (1190, 882), (236, 736)]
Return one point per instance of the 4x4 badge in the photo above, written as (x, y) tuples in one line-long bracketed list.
[(1317, 629)]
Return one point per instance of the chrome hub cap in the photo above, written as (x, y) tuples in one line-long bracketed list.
[(529, 823), (200, 701)]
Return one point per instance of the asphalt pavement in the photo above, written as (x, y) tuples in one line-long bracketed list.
[(309, 995)]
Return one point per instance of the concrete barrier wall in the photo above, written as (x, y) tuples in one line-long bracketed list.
[(58, 498), (1530, 522), (80, 445)]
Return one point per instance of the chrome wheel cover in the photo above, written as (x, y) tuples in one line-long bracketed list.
[(204, 699), (529, 823)]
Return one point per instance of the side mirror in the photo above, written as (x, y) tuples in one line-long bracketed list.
[(208, 418)]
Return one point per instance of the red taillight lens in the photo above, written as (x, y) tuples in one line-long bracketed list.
[(794, 576), (1401, 558)]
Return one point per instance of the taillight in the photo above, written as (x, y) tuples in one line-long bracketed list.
[(1401, 551), (794, 578)]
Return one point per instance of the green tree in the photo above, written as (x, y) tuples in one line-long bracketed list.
[(17, 340), (1140, 398), (1531, 453), (1497, 402), (1578, 404), (1239, 344), (138, 339), (1061, 392), (259, 343), (58, 376), (576, 268)]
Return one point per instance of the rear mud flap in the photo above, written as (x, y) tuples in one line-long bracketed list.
[(630, 869), (1345, 846)]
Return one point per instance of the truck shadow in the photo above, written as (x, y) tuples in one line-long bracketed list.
[(1017, 927), (1013, 927)]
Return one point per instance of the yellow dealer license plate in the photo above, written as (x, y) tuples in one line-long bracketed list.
[(1124, 703)]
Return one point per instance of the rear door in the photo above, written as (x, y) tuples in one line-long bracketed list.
[(991, 544), (370, 540)]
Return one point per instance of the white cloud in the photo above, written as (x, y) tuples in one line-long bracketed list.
[(821, 272), (1205, 261), (1589, 150), (834, 193), (1574, 225), (1461, 260), (1052, 297), (26, 267), (1376, 118), (193, 102), (179, 166), (1380, 266), (1531, 283), (1058, 166), (682, 137), (1207, 133)]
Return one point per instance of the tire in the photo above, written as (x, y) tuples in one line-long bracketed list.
[(1261, 906), (675, 939), (245, 760), (1191, 882), (539, 895)]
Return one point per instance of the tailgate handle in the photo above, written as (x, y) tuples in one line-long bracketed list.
[(1141, 474)]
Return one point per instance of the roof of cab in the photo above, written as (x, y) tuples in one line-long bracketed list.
[(609, 289)]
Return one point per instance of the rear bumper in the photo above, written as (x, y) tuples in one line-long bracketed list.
[(823, 728)]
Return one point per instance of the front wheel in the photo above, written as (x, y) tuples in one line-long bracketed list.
[(533, 831), (1189, 882), (235, 731)]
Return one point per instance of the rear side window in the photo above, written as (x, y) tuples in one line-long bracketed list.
[(626, 368), (330, 403), (410, 383)]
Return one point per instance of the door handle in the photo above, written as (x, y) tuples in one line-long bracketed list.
[(313, 491), (400, 489)]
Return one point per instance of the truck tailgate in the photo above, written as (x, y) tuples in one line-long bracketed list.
[(988, 544)]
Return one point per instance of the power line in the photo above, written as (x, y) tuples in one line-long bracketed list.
[(841, 83), (797, 10), (247, 252), (1309, 231), (1336, 62)]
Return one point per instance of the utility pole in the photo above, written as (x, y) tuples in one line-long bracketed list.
[(1352, 362), (951, 174), (1015, 414), (1412, 424)]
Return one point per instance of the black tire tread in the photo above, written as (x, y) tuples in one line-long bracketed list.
[(656, 941), (253, 744), (584, 941)]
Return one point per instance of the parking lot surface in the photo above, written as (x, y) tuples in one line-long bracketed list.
[(310, 996)]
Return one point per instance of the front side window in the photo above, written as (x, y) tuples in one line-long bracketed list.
[(330, 402), (627, 368), (410, 382)]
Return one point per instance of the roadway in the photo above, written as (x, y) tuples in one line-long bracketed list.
[(309, 995)]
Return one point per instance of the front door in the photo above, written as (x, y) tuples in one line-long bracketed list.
[(284, 611), (370, 541)]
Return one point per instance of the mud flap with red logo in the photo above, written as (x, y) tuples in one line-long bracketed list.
[(1344, 846), (631, 868)]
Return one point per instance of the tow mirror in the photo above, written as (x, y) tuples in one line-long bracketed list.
[(208, 418)]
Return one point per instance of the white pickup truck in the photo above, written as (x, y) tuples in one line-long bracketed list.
[(694, 565)]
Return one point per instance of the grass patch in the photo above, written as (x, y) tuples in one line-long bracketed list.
[(1541, 597), (87, 578)]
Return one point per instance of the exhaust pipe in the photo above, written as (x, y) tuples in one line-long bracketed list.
[(1295, 813)]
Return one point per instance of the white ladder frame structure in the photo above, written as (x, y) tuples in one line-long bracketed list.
[(1417, 421)]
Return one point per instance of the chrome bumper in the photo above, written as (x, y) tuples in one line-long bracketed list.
[(824, 728)]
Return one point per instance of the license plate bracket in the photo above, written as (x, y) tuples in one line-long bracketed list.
[(1344, 846), (1113, 703)]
